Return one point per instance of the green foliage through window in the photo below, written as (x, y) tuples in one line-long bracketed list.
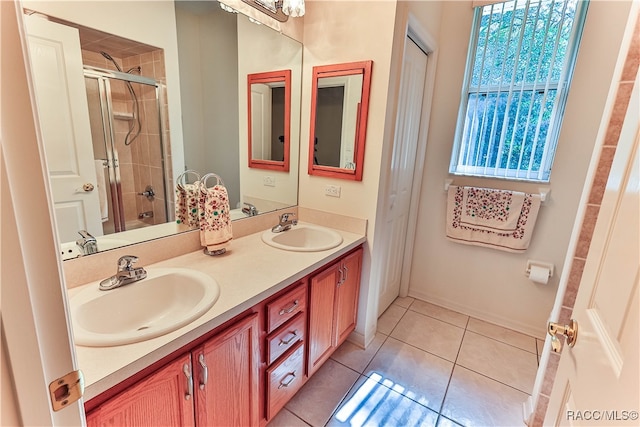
[(520, 63)]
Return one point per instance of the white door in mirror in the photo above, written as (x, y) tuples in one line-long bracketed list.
[(166, 300)]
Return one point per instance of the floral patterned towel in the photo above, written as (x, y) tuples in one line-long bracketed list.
[(516, 240), (491, 210), (187, 196), (215, 220)]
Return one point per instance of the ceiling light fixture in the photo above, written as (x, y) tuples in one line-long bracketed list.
[(280, 10)]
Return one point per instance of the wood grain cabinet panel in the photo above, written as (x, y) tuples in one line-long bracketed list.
[(285, 307), (226, 377), (164, 398), (284, 379), (285, 337), (333, 308)]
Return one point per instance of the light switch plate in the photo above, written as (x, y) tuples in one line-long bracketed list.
[(332, 190), (269, 181)]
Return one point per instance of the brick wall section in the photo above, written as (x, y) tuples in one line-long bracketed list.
[(625, 87)]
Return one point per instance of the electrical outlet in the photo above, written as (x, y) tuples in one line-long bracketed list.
[(332, 190), (268, 181)]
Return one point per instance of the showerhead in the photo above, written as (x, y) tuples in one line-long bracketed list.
[(110, 58)]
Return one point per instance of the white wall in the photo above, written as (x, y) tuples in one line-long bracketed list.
[(257, 54), (339, 32), (208, 47), (482, 282), (149, 22)]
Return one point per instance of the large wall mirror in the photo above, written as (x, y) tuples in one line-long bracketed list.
[(339, 110), (269, 98), (132, 94)]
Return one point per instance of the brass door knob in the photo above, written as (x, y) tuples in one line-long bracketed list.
[(88, 187), (570, 332)]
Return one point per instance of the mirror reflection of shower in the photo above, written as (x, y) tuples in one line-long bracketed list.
[(128, 139), (133, 130)]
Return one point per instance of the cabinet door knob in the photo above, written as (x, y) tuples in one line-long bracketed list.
[(205, 371), (346, 273), (341, 279), (187, 373)]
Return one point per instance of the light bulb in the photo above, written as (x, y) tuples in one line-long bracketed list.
[(293, 8)]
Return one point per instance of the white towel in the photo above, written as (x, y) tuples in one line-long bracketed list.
[(491, 210), (102, 190), (215, 219), (516, 240)]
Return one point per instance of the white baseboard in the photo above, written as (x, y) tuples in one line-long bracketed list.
[(536, 331), (359, 339), (527, 411)]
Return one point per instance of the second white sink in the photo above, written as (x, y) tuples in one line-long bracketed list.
[(303, 238), (166, 300)]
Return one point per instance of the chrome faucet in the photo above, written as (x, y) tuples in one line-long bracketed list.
[(249, 209), (126, 274), (87, 243), (285, 223)]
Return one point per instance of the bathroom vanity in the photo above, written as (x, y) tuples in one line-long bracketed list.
[(280, 315)]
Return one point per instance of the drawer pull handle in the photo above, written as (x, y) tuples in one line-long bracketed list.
[(291, 376), (187, 373), (205, 371), (290, 308), (294, 335)]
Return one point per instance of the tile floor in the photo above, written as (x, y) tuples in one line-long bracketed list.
[(427, 366)]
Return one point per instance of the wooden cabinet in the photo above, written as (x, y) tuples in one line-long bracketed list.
[(226, 380), (162, 399), (285, 326), (333, 305), (221, 376), (246, 373)]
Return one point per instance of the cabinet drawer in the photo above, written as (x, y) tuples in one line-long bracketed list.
[(284, 379), (285, 307), (285, 337)]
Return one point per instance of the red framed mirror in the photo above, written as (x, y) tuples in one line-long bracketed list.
[(338, 126), (269, 112)]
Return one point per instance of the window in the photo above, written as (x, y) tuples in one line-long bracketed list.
[(519, 66)]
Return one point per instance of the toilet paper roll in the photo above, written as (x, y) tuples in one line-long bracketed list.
[(539, 274)]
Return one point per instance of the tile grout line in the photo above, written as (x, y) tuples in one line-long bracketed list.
[(455, 363)]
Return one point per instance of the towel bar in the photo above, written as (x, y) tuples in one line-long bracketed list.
[(544, 191)]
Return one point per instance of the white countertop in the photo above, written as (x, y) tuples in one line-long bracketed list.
[(247, 274)]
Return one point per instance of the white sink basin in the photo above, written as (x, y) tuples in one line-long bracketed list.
[(303, 238), (166, 300)]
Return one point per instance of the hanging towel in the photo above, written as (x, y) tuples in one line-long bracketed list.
[(491, 210), (187, 196), (102, 189), (215, 219), (491, 226)]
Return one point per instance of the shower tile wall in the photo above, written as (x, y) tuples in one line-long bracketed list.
[(141, 162)]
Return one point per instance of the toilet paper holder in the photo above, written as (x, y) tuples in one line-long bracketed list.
[(532, 263)]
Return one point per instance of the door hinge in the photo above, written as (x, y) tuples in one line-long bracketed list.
[(66, 389)]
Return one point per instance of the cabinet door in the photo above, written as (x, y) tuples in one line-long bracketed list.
[(226, 376), (346, 306), (164, 398), (321, 309)]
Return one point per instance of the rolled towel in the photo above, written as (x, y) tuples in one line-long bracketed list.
[(187, 200), (215, 219)]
